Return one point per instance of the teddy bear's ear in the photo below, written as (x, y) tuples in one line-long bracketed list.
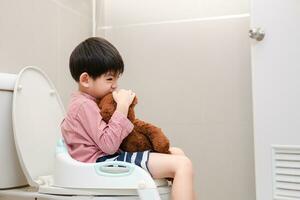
[(131, 114), (134, 102), (107, 107)]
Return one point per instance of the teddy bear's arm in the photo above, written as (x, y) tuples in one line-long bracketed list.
[(158, 139)]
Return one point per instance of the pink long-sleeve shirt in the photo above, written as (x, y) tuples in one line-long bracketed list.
[(85, 133)]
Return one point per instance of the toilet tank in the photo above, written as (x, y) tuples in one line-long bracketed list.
[(11, 174)]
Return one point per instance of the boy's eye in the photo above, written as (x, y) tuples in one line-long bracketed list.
[(110, 79)]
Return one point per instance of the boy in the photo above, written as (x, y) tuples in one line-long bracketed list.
[(95, 64)]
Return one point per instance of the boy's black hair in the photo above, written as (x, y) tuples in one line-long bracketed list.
[(96, 56)]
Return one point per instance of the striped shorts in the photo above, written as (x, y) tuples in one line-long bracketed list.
[(139, 158)]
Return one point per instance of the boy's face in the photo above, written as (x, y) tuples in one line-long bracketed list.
[(104, 84)]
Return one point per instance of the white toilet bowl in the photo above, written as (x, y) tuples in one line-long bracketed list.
[(30, 132)]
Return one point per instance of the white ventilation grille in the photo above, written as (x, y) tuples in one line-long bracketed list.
[(286, 172)]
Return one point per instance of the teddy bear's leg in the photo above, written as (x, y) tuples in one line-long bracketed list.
[(159, 141), (136, 142)]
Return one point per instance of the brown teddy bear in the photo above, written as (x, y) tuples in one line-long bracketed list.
[(144, 136)]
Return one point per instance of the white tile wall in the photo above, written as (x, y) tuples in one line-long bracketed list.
[(192, 77), (144, 11), (43, 33)]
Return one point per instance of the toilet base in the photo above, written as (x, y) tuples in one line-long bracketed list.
[(31, 193)]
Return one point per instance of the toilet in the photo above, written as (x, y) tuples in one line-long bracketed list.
[(35, 163)]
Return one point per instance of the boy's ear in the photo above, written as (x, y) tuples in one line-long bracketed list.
[(84, 79)]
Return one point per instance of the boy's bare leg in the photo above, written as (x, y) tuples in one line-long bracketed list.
[(178, 167), (178, 151)]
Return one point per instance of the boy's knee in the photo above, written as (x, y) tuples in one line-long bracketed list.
[(176, 151), (185, 164)]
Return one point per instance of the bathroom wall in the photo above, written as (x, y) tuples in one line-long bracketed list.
[(189, 64), (116, 13), (187, 61), (43, 33)]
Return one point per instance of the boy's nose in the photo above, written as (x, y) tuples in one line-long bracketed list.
[(114, 86)]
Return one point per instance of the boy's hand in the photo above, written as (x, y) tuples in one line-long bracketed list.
[(124, 99)]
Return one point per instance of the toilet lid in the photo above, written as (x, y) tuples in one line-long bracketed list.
[(37, 113)]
